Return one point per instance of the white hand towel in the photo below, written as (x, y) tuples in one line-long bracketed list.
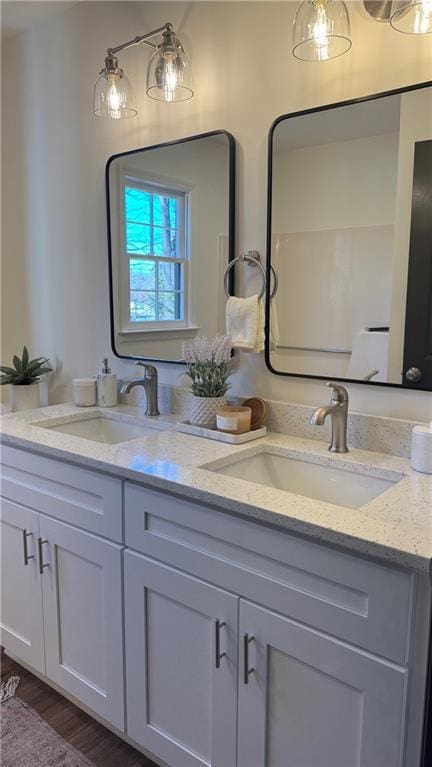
[(260, 339), (245, 322), (274, 326)]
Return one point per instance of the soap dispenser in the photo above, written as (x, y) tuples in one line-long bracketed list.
[(106, 386)]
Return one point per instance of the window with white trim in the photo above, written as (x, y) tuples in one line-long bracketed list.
[(156, 253)]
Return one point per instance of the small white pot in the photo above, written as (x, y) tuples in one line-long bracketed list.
[(202, 410), (24, 397)]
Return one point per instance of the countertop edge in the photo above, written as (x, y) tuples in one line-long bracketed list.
[(310, 530)]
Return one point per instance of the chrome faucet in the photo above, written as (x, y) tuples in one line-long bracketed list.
[(338, 410), (149, 384)]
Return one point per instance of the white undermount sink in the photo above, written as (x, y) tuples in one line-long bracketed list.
[(101, 428), (323, 483)]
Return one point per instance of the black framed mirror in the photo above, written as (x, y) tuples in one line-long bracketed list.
[(171, 229), (349, 233)]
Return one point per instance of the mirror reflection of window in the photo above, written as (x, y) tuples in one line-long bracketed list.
[(156, 251)]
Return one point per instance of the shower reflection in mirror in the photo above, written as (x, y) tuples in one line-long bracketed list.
[(346, 238)]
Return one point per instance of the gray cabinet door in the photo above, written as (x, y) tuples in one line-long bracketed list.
[(181, 697), (307, 700), (82, 606), (21, 589)]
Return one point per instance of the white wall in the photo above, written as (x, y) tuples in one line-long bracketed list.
[(343, 185), (54, 246)]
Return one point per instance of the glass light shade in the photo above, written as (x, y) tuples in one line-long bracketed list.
[(321, 30), (114, 96), (169, 74), (413, 17)]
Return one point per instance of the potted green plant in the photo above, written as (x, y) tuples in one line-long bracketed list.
[(24, 378), (208, 367)]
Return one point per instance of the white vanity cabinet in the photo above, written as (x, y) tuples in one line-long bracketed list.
[(244, 646), (323, 642), (303, 698), (61, 585)]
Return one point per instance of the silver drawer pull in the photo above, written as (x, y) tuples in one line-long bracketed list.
[(41, 562), (218, 654), (247, 671), (27, 556)]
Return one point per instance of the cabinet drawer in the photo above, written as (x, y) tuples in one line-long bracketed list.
[(78, 496), (355, 599)]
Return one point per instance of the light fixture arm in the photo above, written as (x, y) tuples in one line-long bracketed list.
[(141, 40)]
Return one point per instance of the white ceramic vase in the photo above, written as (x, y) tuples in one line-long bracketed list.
[(202, 410), (24, 397)]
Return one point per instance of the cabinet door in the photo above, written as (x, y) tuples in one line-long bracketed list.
[(83, 617), (181, 666), (311, 701), (21, 588)]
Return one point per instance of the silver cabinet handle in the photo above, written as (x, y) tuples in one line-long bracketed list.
[(247, 671), (27, 556), (41, 562), (218, 654)]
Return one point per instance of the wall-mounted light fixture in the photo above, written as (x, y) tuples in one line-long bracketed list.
[(413, 17), (169, 76), (322, 27), (321, 30)]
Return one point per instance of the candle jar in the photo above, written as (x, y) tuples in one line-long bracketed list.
[(234, 419), (84, 392)]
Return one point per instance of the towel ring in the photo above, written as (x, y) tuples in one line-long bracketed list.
[(275, 282), (252, 257)]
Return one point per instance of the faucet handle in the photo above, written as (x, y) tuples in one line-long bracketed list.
[(340, 394), (149, 370)]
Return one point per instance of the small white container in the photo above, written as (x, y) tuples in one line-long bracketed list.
[(421, 448), (84, 392)]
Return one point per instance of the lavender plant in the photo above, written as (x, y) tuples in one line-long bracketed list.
[(208, 365)]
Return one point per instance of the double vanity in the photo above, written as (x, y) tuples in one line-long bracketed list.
[(214, 604)]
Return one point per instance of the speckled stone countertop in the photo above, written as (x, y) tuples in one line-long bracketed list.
[(396, 526)]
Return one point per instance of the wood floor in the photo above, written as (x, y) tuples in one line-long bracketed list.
[(98, 744)]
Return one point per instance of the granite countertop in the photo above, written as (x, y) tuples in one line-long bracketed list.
[(395, 527)]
